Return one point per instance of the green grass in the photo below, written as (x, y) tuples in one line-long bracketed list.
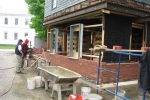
[(2, 46)]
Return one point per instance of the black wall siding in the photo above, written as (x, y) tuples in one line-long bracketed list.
[(148, 35), (117, 32)]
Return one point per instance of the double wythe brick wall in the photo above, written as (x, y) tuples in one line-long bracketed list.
[(88, 68)]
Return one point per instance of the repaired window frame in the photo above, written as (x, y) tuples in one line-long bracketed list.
[(80, 40), (54, 40)]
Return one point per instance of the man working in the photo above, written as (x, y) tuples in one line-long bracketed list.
[(25, 50), (19, 55)]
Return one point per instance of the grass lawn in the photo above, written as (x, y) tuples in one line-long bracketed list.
[(2, 46)]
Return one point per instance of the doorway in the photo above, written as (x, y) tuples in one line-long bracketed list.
[(136, 42)]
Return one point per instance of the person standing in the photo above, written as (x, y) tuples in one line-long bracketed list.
[(25, 50), (19, 55)]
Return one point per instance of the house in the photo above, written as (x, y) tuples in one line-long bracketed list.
[(82, 24), (15, 26)]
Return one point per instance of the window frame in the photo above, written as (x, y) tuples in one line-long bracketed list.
[(54, 32), (5, 20), (16, 21), (80, 41), (54, 4), (25, 34), (15, 36), (5, 35), (26, 21)]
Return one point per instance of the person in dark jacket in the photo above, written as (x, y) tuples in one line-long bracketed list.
[(144, 73), (19, 55)]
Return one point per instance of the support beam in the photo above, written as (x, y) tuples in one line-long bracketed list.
[(48, 38), (90, 11), (141, 20), (96, 25)]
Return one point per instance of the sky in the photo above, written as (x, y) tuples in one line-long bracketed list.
[(13, 6)]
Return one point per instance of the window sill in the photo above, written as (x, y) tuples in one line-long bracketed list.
[(73, 58)]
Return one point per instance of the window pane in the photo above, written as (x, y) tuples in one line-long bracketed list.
[(26, 21), (6, 21), (5, 35), (54, 4), (15, 36), (26, 34), (16, 21)]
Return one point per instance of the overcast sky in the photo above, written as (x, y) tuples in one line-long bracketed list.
[(13, 6)]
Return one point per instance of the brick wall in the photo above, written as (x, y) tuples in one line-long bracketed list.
[(88, 68)]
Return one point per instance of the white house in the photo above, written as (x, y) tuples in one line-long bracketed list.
[(14, 22), (14, 27)]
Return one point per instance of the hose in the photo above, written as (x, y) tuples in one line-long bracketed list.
[(12, 80), (11, 83), (7, 68)]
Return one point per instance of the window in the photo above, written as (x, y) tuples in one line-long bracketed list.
[(16, 21), (54, 4), (26, 34), (6, 21), (26, 21), (15, 36), (54, 40), (5, 35), (76, 40)]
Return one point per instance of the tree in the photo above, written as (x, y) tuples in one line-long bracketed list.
[(36, 8)]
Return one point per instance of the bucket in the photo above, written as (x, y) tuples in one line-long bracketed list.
[(31, 83), (85, 91), (38, 81), (121, 93), (75, 97), (93, 97)]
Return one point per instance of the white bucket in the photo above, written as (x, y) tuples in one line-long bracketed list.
[(121, 93), (85, 91), (93, 97), (31, 83), (38, 82)]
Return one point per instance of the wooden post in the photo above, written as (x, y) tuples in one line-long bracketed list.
[(64, 42), (48, 38), (103, 34), (145, 34)]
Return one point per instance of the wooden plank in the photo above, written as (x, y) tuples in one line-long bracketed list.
[(123, 50), (75, 28), (77, 7), (72, 9), (103, 32), (96, 25), (90, 56)]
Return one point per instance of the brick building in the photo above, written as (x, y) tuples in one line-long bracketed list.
[(82, 24)]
